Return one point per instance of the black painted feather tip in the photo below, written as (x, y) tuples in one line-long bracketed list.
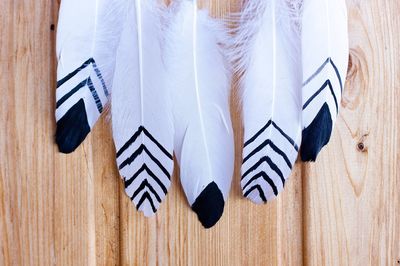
[(316, 135), (72, 128), (209, 205)]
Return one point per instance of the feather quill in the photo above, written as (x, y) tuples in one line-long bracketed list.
[(325, 59), (266, 56), (141, 109), (200, 84), (87, 38)]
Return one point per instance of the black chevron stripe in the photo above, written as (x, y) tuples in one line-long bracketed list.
[(71, 92), (100, 77), (337, 73), (145, 184), (266, 178), (271, 164), (330, 61), (95, 95), (269, 123), (129, 142), (139, 151), (260, 191), (76, 71), (83, 83), (326, 84), (268, 142), (144, 167), (132, 140), (252, 139), (145, 196)]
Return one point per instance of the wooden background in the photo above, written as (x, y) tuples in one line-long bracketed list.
[(71, 209)]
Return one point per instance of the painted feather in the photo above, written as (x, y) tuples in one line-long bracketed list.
[(141, 109), (266, 54), (87, 38), (325, 59), (200, 85)]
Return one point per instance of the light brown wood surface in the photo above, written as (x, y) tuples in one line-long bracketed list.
[(71, 209)]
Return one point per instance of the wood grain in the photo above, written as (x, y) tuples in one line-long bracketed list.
[(71, 209)]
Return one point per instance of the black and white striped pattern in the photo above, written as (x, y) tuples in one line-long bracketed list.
[(268, 159), (323, 87), (86, 83), (146, 167)]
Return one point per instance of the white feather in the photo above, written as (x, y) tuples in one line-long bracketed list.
[(266, 56), (141, 109), (200, 84), (325, 58), (87, 38)]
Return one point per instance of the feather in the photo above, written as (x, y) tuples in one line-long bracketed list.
[(266, 56), (87, 38), (200, 85), (141, 109), (325, 59)]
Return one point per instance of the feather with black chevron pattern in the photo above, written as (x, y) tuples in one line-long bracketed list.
[(141, 109), (88, 34), (265, 52), (325, 57)]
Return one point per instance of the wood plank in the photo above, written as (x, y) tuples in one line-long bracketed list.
[(26, 189), (352, 203), (54, 209)]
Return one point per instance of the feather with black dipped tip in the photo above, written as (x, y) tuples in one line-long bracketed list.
[(87, 38), (265, 52), (325, 59), (199, 80), (141, 109)]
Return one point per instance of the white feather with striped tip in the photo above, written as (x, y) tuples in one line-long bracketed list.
[(141, 109), (267, 56), (325, 52), (87, 38)]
